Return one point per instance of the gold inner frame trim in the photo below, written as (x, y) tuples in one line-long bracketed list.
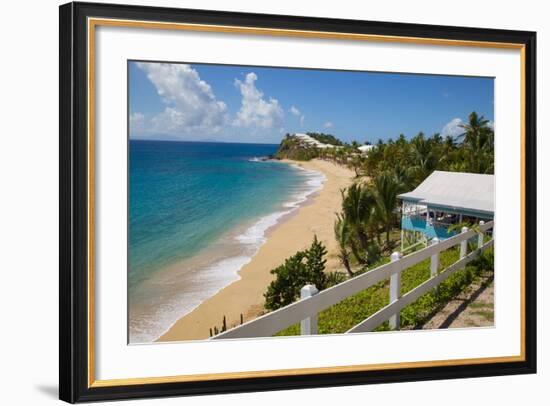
[(94, 22)]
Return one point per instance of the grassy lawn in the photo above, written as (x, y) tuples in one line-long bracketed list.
[(354, 309)]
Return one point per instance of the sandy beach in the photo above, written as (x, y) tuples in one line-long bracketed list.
[(295, 232)]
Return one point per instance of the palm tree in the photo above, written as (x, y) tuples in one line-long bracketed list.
[(449, 142), (343, 234), (356, 163), (475, 132), (437, 138), (357, 208), (403, 176), (478, 140), (448, 148), (423, 157), (387, 188)]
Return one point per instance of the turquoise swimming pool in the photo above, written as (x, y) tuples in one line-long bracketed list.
[(430, 230)]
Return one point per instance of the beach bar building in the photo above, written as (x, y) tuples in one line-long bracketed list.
[(444, 199)]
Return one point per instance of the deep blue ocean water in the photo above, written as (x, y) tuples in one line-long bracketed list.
[(187, 196), (183, 195)]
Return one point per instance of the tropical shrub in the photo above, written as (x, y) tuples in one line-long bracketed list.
[(304, 267), (326, 138)]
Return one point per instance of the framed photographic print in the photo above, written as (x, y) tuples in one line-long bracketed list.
[(257, 202)]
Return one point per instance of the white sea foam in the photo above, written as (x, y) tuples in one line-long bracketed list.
[(314, 183), (256, 234), (203, 285), (259, 159)]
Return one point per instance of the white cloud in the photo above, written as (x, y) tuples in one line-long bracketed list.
[(328, 124), (452, 128), (255, 110), (294, 110), (191, 106)]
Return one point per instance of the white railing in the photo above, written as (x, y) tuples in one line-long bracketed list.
[(305, 310)]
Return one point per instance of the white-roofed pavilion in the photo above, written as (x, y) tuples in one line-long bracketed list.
[(444, 199)]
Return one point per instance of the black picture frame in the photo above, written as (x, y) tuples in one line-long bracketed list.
[(73, 255)]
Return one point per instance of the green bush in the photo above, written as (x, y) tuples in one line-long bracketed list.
[(304, 267)]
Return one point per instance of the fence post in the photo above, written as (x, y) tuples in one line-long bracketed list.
[(464, 244), (395, 293), (480, 235), (308, 326), (434, 264)]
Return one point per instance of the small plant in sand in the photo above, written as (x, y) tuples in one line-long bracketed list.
[(215, 331)]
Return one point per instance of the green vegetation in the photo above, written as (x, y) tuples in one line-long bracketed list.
[(326, 138), (368, 211), (354, 309), (343, 234), (410, 161), (357, 202), (367, 226), (413, 160), (370, 208), (292, 148), (304, 267)]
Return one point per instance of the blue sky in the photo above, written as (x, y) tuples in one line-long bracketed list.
[(256, 104)]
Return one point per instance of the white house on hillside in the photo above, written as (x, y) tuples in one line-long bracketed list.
[(306, 139), (365, 149)]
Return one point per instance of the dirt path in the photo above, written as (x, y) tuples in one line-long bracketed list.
[(472, 308)]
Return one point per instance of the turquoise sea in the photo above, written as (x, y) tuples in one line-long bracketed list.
[(197, 213)]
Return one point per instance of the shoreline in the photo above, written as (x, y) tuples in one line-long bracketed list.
[(294, 231), (175, 290)]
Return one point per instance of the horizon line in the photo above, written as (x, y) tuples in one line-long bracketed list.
[(203, 141)]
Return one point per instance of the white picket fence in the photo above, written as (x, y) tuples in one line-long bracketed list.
[(305, 310)]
